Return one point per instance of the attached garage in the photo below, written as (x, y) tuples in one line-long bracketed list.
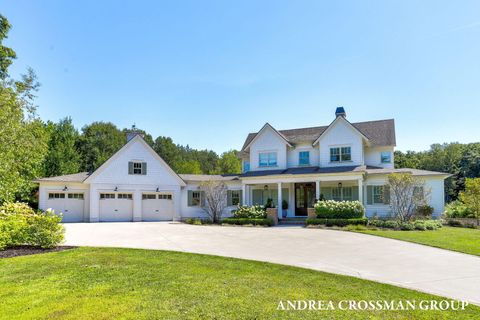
[(116, 207), (70, 204), (157, 206)]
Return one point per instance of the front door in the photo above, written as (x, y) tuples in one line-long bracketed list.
[(304, 198)]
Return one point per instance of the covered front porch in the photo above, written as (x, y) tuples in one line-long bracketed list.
[(293, 196)]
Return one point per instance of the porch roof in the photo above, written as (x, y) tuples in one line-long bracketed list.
[(304, 170)]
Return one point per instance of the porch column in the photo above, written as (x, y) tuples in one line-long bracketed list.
[(244, 194), (279, 206), (360, 190), (317, 190)]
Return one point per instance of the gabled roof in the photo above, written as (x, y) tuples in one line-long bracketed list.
[(265, 126), (340, 118), (380, 133), (131, 141)]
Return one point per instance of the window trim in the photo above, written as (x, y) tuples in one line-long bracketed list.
[(234, 195), (341, 154), (381, 194), (270, 161), (307, 163), (195, 199)]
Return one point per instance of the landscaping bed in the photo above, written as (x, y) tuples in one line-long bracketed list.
[(28, 250)]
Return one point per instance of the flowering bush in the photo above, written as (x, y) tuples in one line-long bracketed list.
[(330, 209), (253, 212), (21, 225), (457, 209)]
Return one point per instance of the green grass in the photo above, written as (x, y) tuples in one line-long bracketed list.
[(94, 283), (464, 240)]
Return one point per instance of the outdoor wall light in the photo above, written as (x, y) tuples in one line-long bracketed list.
[(339, 184), (265, 187), (157, 189), (116, 189), (65, 188)]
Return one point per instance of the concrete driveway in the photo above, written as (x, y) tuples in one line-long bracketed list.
[(404, 264)]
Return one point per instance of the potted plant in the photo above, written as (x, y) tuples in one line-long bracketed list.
[(284, 208)]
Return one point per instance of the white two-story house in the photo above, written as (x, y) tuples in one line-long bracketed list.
[(293, 168)]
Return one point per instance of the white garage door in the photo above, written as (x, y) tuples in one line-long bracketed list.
[(157, 207), (116, 207), (71, 205)]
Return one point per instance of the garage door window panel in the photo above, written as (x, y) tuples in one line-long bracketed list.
[(126, 196), (56, 195)]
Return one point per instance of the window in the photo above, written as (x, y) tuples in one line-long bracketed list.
[(386, 157), (418, 192), (127, 196), (196, 198), (342, 194), (304, 158), (137, 168), (377, 194), (246, 166), (334, 154), (148, 196), (267, 159), (165, 196), (235, 197), (78, 196), (107, 196), (339, 154), (346, 154), (56, 196)]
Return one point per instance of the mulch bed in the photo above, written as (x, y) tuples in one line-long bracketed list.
[(28, 250)]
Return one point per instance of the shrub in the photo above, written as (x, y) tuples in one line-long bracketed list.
[(392, 224), (457, 209), (252, 221), (331, 209), (336, 222), (406, 226), (253, 212), (45, 230), (197, 221), (424, 211), (420, 225), (21, 225)]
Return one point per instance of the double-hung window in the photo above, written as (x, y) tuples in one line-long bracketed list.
[(304, 158), (267, 159), (196, 196), (137, 168), (386, 157), (339, 154), (246, 166), (235, 197)]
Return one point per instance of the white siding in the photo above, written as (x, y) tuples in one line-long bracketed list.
[(198, 212), (268, 141), (293, 157), (341, 134), (434, 185), (46, 187), (373, 156)]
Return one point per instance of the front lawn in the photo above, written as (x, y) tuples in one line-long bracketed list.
[(94, 283), (457, 239)]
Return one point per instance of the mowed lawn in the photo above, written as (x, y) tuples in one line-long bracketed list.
[(101, 283), (464, 240)]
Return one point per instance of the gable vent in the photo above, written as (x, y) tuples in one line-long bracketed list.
[(340, 112)]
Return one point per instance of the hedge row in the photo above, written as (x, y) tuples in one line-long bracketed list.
[(330, 209), (244, 221), (337, 222), (421, 225)]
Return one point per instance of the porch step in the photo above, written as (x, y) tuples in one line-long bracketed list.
[(292, 221)]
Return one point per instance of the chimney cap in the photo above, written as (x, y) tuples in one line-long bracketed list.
[(340, 112)]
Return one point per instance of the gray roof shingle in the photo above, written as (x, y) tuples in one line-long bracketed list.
[(379, 132), (75, 177)]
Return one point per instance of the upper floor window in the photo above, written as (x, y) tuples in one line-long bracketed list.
[(137, 167), (304, 158), (339, 154), (246, 166), (267, 159), (386, 157)]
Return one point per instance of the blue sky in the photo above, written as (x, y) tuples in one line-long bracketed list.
[(207, 73)]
